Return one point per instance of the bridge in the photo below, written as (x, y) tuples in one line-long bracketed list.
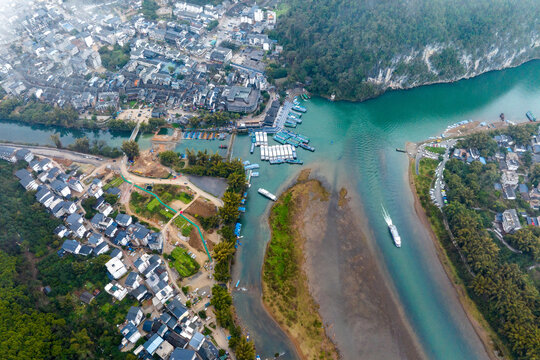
[(135, 132)]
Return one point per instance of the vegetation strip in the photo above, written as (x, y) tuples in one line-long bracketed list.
[(174, 211), (285, 285)]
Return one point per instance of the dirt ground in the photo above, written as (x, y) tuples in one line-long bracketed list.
[(148, 165), (201, 207)]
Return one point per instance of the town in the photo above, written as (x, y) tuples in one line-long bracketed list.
[(174, 57), (172, 321)]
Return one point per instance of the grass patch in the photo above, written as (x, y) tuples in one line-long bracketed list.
[(183, 263), (285, 289), (115, 182), (436, 150), (185, 197), (149, 207), (183, 225)]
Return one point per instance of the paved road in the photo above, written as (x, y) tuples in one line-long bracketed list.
[(59, 153), (180, 180)]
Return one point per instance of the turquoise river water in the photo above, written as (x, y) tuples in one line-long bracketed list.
[(355, 147)]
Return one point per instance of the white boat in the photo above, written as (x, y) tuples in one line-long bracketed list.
[(267, 193), (392, 228)]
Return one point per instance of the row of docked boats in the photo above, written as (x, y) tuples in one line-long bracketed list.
[(202, 135)]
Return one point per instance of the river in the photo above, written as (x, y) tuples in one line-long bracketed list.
[(355, 145)]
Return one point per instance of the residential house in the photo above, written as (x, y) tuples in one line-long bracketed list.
[(61, 231), (116, 253), (85, 250), (24, 154), (111, 230), (8, 153), (152, 344), (29, 183), (116, 268), (102, 248), (116, 290), (177, 309), (60, 188), (131, 333), (509, 178), (75, 185), (509, 193), (45, 164), (155, 242), (133, 280), (196, 341), (101, 222), (183, 354), (512, 161), (121, 238), (510, 221), (139, 293), (123, 220), (71, 246), (95, 239), (134, 315)]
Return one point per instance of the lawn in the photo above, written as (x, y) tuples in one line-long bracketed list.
[(115, 182), (149, 207), (436, 150), (184, 197), (183, 225), (168, 193), (183, 263)]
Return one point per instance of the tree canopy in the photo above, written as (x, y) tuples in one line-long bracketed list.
[(345, 47)]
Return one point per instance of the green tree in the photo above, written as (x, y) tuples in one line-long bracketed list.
[(131, 149), (245, 350), (168, 158), (56, 140)]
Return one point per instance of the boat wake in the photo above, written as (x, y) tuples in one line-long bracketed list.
[(386, 216), (391, 227)]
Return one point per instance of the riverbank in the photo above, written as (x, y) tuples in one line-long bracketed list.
[(433, 224), (286, 294)]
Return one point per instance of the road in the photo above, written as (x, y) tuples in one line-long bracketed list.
[(438, 187), (59, 153), (180, 180)]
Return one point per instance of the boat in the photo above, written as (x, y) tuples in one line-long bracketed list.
[(267, 194), (392, 228), (530, 116), (252, 148), (307, 147), (299, 108), (222, 146), (295, 161)]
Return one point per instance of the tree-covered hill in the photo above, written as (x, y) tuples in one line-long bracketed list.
[(357, 49)]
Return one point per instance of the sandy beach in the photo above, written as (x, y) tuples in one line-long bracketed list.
[(359, 310)]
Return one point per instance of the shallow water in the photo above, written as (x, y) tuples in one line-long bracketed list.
[(356, 145)]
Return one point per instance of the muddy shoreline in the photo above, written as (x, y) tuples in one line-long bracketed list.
[(464, 300), (360, 310)]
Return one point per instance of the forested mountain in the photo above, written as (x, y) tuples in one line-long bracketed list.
[(357, 49)]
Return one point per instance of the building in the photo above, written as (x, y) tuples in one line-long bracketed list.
[(116, 268), (510, 221), (24, 154), (241, 98), (71, 246), (131, 333), (152, 344), (8, 153), (183, 354), (116, 290), (134, 315)]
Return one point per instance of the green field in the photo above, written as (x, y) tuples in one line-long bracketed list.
[(436, 150), (183, 225), (183, 263), (115, 182), (184, 197)]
